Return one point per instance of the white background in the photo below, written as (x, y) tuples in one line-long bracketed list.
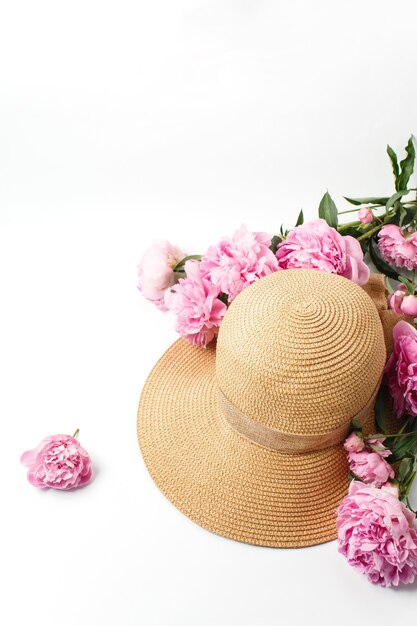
[(124, 121)]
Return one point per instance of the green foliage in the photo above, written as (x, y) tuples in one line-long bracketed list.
[(276, 239), (403, 446), (370, 200), (407, 165), (394, 163), (393, 199), (404, 170), (383, 409), (181, 265), (407, 283), (300, 218), (328, 210)]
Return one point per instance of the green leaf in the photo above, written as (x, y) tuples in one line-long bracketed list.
[(357, 424), (283, 233), (394, 163), (403, 446), (409, 483), (403, 215), (391, 201), (391, 218), (383, 407), (370, 200), (328, 210), (407, 283), (411, 215), (405, 467), (276, 239), (407, 165), (192, 257), (348, 229), (300, 218), (388, 286), (381, 265)]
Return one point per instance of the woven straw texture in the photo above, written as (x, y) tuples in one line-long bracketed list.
[(299, 351)]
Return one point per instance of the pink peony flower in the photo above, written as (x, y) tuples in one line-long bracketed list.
[(199, 311), (370, 467), (317, 246), (378, 535), (58, 462), (397, 247), (353, 443), (395, 299), (401, 369), (365, 216), (235, 263), (155, 271), (409, 306)]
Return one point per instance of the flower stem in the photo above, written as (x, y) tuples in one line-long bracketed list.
[(370, 232), (348, 225), (75, 435), (400, 434), (349, 211)]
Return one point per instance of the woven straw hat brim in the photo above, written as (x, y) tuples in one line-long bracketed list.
[(223, 481)]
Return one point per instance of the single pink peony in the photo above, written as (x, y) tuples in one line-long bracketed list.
[(401, 369), (395, 299), (317, 246), (409, 306), (58, 462), (155, 271), (397, 247), (370, 467), (378, 535), (235, 263), (353, 443), (365, 215), (198, 309)]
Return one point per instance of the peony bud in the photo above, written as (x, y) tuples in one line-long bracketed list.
[(365, 215), (354, 443)]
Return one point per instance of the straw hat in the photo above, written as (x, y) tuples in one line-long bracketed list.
[(246, 438)]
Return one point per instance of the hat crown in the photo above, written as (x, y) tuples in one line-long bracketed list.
[(300, 351)]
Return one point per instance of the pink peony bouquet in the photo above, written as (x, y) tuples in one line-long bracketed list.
[(377, 528), (198, 293), (207, 284)]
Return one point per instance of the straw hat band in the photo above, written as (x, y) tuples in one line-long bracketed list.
[(289, 443)]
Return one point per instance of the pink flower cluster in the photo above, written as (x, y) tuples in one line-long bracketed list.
[(58, 462), (367, 460), (397, 247), (237, 262), (200, 299), (316, 245), (378, 535), (401, 369), (401, 303), (197, 306)]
